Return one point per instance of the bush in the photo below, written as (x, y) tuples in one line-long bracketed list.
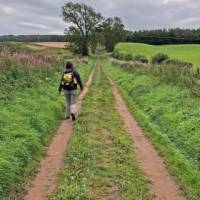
[(128, 57), (196, 88), (178, 63), (121, 56), (141, 58), (115, 54), (159, 58)]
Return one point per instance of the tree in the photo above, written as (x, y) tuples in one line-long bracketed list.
[(113, 31), (84, 20), (166, 36), (96, 40)]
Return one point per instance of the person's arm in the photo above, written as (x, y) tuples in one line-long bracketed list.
[(79, 80), (60, 86)]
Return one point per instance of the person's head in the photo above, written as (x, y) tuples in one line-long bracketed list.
[(69, 65)]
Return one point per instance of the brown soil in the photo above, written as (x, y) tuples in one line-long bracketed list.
[(52, 44), (163, 185), (46, 179)]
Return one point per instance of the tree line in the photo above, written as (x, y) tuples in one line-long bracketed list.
[(33, 38), (165, 36)]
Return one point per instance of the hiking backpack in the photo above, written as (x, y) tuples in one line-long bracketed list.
[(69, 80)]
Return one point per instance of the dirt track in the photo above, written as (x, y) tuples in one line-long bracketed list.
[(46, 179), (163, 186)]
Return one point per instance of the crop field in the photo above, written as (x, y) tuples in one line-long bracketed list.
[(52, 44), (188, 53)]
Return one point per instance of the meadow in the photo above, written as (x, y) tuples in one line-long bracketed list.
[(30, 110), (187, 53)]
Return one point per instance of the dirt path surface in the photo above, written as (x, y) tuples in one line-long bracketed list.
[(46, 179), (163, 185)]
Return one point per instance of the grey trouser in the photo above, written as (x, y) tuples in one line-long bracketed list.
[(70, 96)]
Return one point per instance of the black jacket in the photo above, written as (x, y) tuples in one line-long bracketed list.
[(75, 75)]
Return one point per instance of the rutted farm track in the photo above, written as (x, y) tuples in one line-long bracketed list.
[(104, 155), (101, 162), (45, 181)]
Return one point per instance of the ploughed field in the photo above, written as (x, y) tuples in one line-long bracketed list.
[(52, 44)]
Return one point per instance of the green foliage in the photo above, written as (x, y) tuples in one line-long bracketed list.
[(113, 32), (178, 63), (128, 57), (170, 71), (30, 114), (159, 58), (141, 58), (85, 21), (121, 56), (28, 120), (165, 36), (196, 88), (170, 118), (20, 70), (100, 160)]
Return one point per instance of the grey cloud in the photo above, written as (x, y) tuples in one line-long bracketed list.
[(43, 16)]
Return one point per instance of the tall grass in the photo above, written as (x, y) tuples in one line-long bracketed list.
[(169, 115), (30, 112), (170, 71)]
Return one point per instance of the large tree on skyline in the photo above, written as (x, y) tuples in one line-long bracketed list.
[(83, 22)]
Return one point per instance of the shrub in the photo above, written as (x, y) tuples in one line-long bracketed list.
[(116, 54), (141, 58), (128, 57), (196, 88), (159, 58), (121, 56), (178, 63)]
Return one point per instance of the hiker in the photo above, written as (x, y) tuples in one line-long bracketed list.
[(69, 81)]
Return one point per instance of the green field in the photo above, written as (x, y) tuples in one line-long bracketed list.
[(189, 53)]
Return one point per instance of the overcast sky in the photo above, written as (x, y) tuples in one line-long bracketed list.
[(43, 16)]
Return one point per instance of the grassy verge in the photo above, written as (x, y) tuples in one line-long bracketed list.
[(99, 163), (169, 116), (28, 121)]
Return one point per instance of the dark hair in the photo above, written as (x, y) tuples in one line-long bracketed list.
[(69, 65)]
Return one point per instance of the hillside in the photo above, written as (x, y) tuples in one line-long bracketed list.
[(189, 53)]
